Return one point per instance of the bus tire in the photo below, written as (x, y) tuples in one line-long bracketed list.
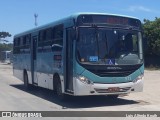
[(58, 89), (26, 83)]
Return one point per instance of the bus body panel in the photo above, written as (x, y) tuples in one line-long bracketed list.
[(18, 73), (82, 89), (21, 63), (46, 68), (43, 79)]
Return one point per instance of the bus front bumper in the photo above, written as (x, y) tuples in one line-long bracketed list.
[(83, 89)]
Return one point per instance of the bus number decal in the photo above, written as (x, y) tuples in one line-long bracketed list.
[(128, 78), (93, 58)]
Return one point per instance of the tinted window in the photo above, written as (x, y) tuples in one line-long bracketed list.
[(21, 44), (42, 35), (45, 37), (102, 45), (58, 35), (28, 39), (24, 40), (49, 37)]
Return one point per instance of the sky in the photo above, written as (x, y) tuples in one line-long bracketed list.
[(17, 16)]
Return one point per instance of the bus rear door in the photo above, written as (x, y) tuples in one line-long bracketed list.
[(34, 59)]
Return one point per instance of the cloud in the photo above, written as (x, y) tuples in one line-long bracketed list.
[(139, 8)]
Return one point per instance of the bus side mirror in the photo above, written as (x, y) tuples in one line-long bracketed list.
[(56, 47)]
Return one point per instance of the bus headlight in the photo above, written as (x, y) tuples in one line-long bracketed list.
[(138, 78), (84, 80)]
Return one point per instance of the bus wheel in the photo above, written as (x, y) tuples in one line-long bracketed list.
[(26, 84), (112, 96), (59, 93)]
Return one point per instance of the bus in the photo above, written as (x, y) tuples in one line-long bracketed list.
[(81, 55), (5, 56)]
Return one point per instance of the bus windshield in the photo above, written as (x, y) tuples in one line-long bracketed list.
[(109, 46)]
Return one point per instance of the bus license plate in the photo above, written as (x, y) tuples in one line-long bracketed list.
[(113, 89)]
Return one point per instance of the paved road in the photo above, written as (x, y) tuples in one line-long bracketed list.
[(14, 97)]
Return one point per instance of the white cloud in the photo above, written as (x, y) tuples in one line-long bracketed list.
[(139, 8)]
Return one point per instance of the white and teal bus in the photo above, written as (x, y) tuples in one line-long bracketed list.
[(5, 56), (83, 54)]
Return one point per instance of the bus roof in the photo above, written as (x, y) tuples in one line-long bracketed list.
[(92, 13), (71, 17)]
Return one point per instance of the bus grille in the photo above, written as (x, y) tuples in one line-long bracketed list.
[(103, 73), (116, 71)]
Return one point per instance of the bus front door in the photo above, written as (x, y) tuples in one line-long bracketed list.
[(69, 61), (33, 59)]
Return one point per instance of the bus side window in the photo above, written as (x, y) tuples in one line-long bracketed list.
[(57, 38), (16, 45), (44, 41), (24, 40), (49, 37), (21, 41), (42, 38), (14, 48), (28, 39)]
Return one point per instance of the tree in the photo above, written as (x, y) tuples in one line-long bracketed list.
[(4, 46), (152, 35), (4, 35)]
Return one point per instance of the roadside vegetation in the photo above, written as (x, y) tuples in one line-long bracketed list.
[(4, 45), (152, 43)]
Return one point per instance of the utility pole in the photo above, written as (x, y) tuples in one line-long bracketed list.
[(36, 16)]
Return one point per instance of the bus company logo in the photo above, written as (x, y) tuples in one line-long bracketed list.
[(114, 68), (21, 114), (6, 114)]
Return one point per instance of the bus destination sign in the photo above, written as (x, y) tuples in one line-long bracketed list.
[(109, 20)]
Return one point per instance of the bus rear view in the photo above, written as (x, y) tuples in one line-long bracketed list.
[(109, 58)]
